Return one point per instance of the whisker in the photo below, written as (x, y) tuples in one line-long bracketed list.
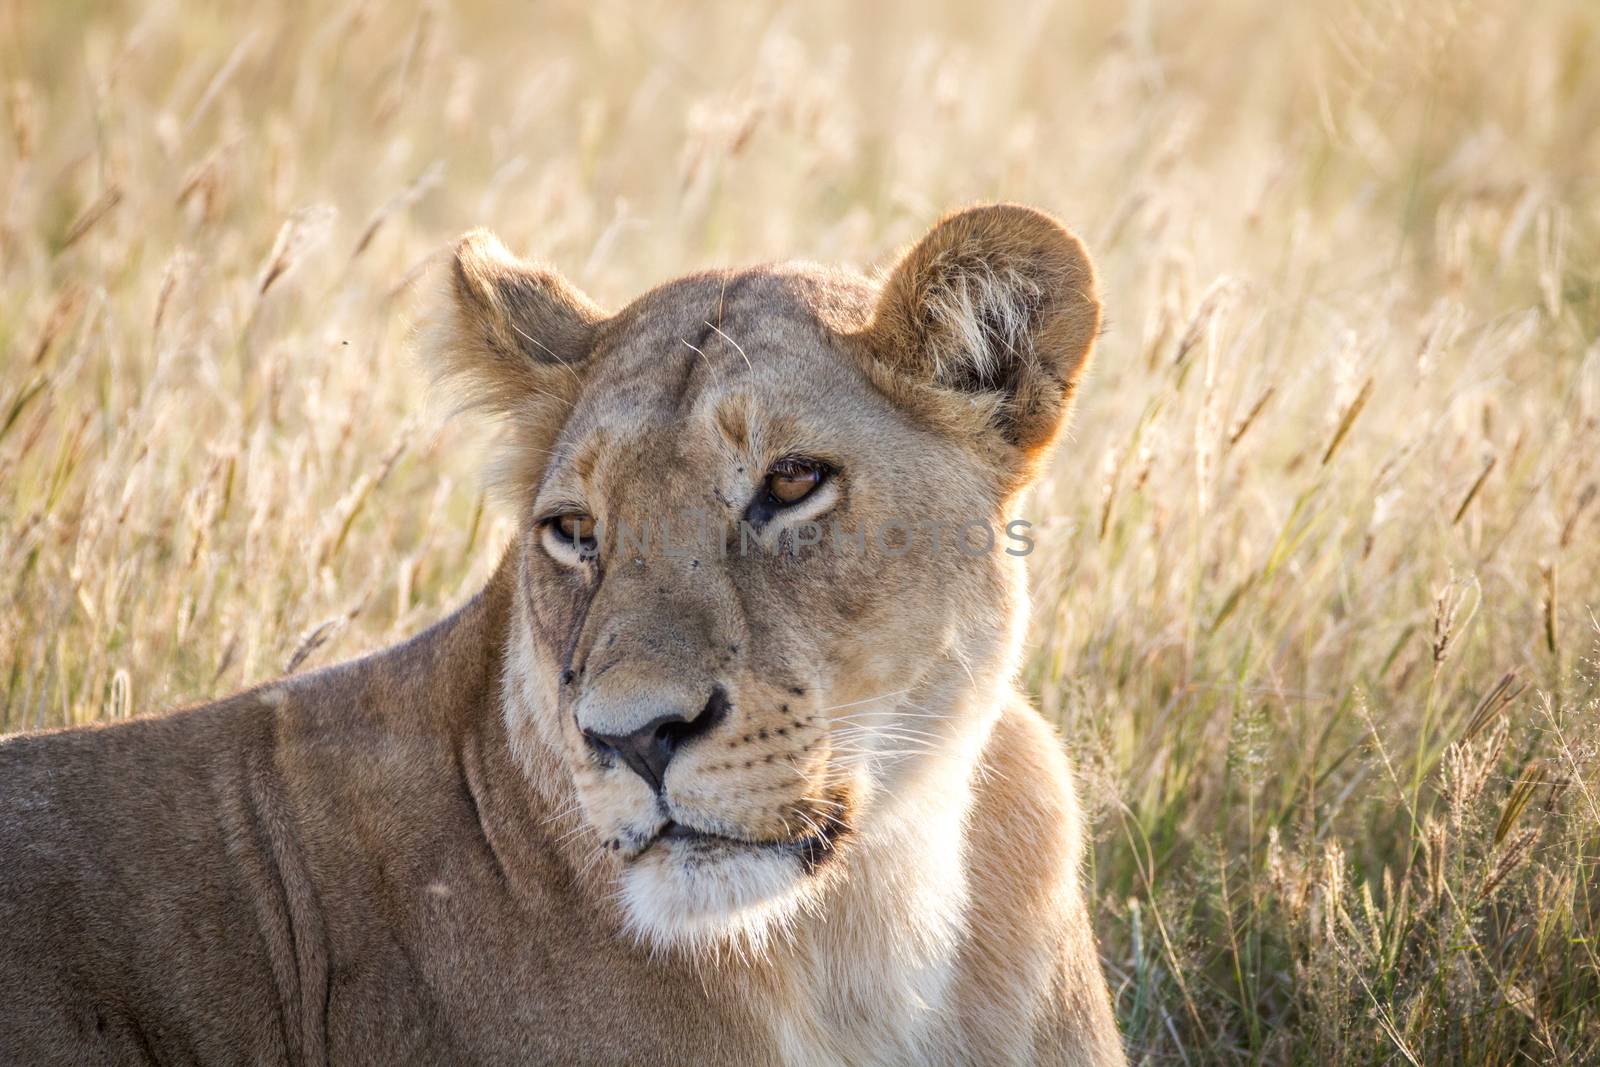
[(892, 732), (855, 732), (859, 758), (570, 834), (866, 700), (732, 342), (903, 743), (564, 812), (896, 713), (703, 356)]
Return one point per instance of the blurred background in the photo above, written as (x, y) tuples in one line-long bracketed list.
[(1316, 585)]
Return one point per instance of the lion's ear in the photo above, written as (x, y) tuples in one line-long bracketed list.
[(995, 311), (511, 338), (507, 328)]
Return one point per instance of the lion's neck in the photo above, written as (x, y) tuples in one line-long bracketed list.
[(870, 976)]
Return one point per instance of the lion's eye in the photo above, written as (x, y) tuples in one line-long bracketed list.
[(792, 480), (576, 529)]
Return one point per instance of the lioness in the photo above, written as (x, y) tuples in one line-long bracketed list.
[(766, 796)]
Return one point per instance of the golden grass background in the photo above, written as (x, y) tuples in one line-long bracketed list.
[(1318, 568)]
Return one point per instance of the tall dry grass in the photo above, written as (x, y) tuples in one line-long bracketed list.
[(1318, 568)]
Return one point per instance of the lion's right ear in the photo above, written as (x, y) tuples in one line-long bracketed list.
[(511, 338), (508, 329), (986, 325)]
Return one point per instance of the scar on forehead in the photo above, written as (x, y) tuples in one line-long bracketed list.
[(732, 417), (588, 455)]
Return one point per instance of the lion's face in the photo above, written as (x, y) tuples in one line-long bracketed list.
[(721, 560), (764, 571)]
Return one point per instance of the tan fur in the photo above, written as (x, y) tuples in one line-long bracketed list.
[(418, 858)]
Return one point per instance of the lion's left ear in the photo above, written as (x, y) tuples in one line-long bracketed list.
[(512, 339), (994, 311), (506, 328)]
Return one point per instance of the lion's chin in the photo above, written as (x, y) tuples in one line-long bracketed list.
[(690, 896)]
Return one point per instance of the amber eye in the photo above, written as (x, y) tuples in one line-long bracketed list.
[(576, 529), (792, 480)]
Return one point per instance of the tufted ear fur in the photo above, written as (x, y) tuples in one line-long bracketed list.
[(988, 320), (511, 338)]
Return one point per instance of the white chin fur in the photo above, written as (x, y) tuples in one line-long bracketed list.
[(677, 900)]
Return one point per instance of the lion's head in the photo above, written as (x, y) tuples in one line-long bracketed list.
[(767, 595)]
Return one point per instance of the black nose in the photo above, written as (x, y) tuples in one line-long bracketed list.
[(651, 747)]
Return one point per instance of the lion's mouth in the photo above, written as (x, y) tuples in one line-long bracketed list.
[(813, 850)]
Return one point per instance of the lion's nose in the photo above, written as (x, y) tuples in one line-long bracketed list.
[(649, 749)]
